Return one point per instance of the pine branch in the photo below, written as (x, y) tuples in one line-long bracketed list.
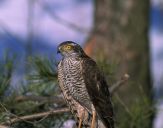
[(53, 99), (35, 116), (58, 99)]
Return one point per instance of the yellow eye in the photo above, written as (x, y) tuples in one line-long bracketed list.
[(68, 47)]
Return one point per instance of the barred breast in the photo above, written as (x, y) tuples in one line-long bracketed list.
[(72, 104), (74, 81)]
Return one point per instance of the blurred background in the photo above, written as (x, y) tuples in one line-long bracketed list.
[(122, 36)]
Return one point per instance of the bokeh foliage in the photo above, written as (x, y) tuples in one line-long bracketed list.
[(42, 81)]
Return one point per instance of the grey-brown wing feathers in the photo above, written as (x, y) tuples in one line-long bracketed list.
[(98, 91)]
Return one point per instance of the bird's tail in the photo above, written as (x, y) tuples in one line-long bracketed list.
[(100, 124)]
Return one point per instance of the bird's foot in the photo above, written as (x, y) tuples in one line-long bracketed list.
[(93, 124), (80, 123)]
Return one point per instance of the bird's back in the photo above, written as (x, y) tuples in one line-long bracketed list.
[(98, 92)]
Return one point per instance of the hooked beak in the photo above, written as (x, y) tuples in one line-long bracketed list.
[(58, 50)]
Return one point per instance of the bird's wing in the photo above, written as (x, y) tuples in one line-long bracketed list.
[(98, 91)]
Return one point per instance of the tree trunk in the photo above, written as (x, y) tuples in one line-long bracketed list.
[(120, 36)]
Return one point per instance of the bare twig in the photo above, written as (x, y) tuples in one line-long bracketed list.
[(36, 116), (119, 83)]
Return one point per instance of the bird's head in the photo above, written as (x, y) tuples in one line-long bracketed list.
[(69, 48)]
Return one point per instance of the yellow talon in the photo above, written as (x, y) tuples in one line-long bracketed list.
[(93, 120), (80, 123)]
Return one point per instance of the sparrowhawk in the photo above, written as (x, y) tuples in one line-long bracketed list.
[(84, 87)]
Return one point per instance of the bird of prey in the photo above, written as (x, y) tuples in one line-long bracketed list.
[(84, 87)]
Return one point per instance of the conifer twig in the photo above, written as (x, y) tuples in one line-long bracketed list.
[(59, 99), (57, 111), (53, 99)]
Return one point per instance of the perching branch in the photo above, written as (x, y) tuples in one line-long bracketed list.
[(35, 116)]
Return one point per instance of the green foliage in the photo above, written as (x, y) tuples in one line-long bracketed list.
[(43, 78), (137, 115), (42, 81), (6, 68), (45, 69)]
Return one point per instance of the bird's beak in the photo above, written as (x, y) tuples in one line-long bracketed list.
[(58, 50)]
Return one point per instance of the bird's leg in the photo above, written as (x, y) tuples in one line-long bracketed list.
[(80, 123), (81, 111), (93, 124)]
